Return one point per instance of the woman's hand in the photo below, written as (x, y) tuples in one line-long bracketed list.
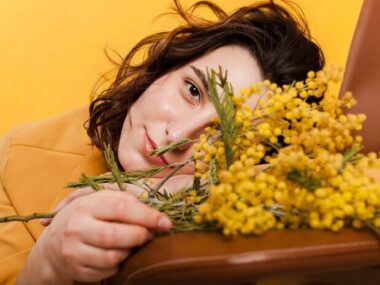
[(172, 185), (89, 237), (133, 189)]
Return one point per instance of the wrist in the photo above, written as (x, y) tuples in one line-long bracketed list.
[(42, 267), (53, 271)]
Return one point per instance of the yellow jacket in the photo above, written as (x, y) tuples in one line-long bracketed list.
[(36, 161)]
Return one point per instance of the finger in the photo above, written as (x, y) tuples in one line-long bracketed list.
[(135, 190), (67, 200), (94, 257), (45, 221), (114, 235), (123, 207), (130, 188)]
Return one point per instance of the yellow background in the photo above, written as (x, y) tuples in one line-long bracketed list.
[(51, 52)]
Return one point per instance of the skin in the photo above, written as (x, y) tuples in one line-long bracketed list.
[(85, 242)]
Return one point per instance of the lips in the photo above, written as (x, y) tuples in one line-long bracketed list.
[(150, 146)]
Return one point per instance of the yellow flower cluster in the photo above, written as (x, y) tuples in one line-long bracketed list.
[(295, 163)]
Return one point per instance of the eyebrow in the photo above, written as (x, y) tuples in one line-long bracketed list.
[(201, 75)]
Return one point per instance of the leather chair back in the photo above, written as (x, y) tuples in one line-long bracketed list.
[(362, 75)]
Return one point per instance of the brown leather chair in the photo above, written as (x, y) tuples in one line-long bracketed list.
[(280, 257)]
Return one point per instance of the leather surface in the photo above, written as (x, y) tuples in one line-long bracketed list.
[(362, 75), (210, 258)]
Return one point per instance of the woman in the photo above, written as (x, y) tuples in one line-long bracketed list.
[(160, 100)]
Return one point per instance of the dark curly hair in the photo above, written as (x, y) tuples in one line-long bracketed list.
[(276, 35)]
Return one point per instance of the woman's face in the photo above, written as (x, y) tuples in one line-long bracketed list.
[(177, 106)]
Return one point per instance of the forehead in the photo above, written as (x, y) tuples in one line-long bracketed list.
[(242, 68)]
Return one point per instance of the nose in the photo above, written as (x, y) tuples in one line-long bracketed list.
[(190, 125)]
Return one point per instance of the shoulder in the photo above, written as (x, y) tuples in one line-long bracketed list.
[(64, 133), (38, 158)]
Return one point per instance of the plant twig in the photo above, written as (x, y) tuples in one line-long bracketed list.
[(94, 185), (110, 159), (27, 218), (162, 182), (225, 109), (172, 146)]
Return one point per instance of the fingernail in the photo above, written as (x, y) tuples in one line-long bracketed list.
[(164, 223)]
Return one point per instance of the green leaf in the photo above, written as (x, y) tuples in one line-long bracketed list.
[(225, 109), (127, 177), (167, 177), (171, 146), (303, 178), (112, 165), (212, 175), (196, 183), (350, 154), (94, 185)]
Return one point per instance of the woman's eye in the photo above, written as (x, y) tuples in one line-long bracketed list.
[(193, 90)]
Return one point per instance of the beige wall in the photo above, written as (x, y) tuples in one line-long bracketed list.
[(51, 52)]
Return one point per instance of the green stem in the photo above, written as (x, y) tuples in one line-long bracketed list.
[(174, 171), (172, 146), (94, 185), (116, 173), (27, 218)]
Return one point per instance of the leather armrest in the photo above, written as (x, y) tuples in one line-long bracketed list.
[(211, 258)]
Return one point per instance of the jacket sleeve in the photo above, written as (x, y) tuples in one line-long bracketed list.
[(15, 239)]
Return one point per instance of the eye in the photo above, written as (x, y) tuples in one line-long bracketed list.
[(193, 90)]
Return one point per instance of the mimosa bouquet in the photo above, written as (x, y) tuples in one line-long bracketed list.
[(291, 161)]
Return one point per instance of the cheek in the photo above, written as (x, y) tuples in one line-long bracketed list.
[(123, 141), (148, 104)]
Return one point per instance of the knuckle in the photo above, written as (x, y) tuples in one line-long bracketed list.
[(72, 228), (68, 254), (108, 236)]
